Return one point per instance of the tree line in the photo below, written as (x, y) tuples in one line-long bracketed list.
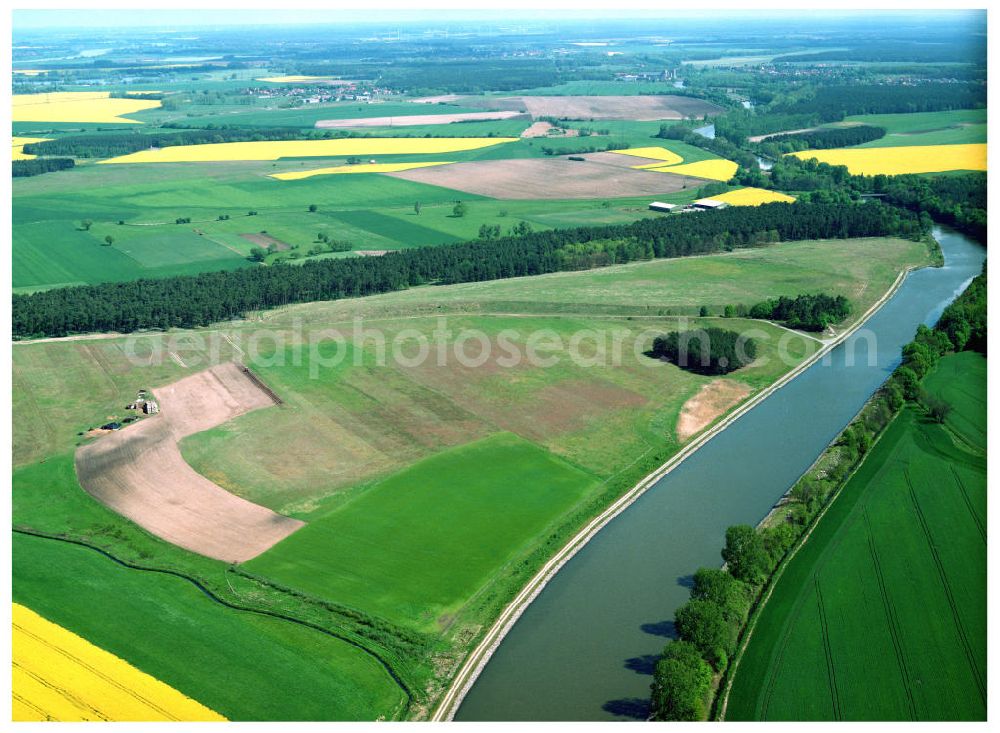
[(197, 300), (37, 166), (711, 624)]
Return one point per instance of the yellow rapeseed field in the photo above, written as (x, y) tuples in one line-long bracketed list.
[(77, 107), (896, 161), (30, 72), (275, 149), (58, 675), (363, 168), (717, 169), (751, 197), (17, 144), (293, 78), (666, 157)]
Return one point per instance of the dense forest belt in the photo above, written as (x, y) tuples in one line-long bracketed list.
[(222, 602), (200, 300)]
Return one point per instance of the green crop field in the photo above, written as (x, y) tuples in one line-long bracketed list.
[(416, 546), (954, 127), (373, 212), (168, 628), (882, 614)]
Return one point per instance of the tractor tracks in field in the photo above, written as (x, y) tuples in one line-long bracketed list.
[(963, 636), (211, 595), (891, 618)]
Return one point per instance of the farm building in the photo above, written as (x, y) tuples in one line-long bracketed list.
[(662, 207), (709, 204), (150, 407)]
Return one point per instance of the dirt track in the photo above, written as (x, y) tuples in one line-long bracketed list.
[(549, 178), (139, 471)]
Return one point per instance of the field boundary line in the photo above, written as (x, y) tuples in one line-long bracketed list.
[(212, 596), (477, 659)]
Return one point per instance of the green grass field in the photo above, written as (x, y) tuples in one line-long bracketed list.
[(859, 269), (473, 510), (882, 614), (954, 127)]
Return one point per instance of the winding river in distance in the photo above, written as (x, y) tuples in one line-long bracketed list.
[(585, 648)]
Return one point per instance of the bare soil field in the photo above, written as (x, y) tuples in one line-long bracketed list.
[(139, 472), (712, 401), (266, 240), (409, 120), (436, 100), (548, 178), (640, 108), (542, 129)]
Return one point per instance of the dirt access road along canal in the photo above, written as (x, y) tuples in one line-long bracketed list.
[(585, 648)]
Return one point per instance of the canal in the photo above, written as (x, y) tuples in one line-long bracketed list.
[(585, 649)]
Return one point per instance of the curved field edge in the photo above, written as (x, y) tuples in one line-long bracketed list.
[(200, 647), (925, 492)]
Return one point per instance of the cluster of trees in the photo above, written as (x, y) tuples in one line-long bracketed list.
[(834, 137), (706, 351), (37, 166), (493, 231), (805, 312), (964, 321), (957, 200), (709, 626), (194, 300)]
